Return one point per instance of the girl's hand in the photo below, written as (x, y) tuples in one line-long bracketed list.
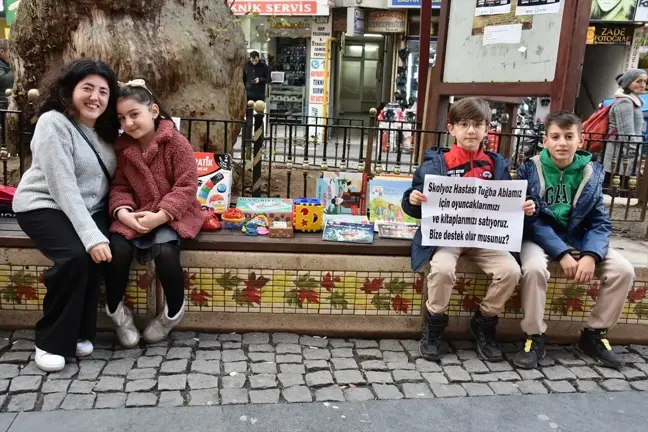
[(416, 198), (529, 207), (151, 220), (128, 218), (101, 253)]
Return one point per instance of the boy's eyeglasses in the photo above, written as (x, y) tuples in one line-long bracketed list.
[(465, 125)]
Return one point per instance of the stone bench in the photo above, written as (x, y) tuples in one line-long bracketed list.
[(306, 285)]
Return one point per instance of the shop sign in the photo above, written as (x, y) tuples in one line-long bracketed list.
[(339, 20), (609, 35), (289, 27), (279, 7), (642, 11), (319, 76), (410, 4), (355, 21), (387, 22)]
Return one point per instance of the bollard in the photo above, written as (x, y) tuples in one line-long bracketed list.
[(257, 139)]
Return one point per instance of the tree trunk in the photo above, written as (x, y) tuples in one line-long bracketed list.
[(191, 52)]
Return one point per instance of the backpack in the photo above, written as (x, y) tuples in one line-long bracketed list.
[(596, 128)]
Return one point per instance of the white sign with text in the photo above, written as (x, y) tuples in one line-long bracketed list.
[(469, 212)]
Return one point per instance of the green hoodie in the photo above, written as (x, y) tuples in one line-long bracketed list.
[(561, 185)]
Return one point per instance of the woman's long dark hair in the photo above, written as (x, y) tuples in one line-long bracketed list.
[(145, 97), (57, 95)]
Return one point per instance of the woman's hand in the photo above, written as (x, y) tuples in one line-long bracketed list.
[(416, 198), (151, 220), (129, 219), (101, 253)]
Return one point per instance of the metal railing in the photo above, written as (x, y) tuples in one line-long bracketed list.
[(278, 157)]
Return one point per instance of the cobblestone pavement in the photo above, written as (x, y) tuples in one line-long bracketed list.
[(260, 368)]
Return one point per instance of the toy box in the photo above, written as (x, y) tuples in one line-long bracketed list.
[(275, 209), (348, 232), (214, 181), (308, 215), (280, 229)]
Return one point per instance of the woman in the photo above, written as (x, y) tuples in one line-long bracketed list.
[(625, 122), (612, 10), (61, 204)]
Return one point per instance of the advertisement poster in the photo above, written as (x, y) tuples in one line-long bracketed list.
[(480, 22), (492, 7), (613, 10), (537, 7), (642, 11)]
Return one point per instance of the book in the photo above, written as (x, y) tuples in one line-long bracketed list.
[(348, 232), (342, 192), (361, 219), (399, 231), (214, 181), (385, 196)]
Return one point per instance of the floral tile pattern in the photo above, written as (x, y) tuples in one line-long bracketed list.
[(23, 288), (378, 293)]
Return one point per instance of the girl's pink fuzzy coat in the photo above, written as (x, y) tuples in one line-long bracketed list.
[(165, 177)]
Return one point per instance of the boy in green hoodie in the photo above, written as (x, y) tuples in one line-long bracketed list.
[(572, 227)]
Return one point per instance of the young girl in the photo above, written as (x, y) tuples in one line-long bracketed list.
[(154, 205)]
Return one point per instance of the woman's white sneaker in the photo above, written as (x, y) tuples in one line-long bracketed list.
[(49, 362), (84, 348)]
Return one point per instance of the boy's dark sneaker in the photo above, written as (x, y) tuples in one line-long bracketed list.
[(430, 346), (482, 328), (594, 343), (533, 351)]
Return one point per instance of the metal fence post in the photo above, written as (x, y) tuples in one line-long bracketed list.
[(259, 107), (370, 141)]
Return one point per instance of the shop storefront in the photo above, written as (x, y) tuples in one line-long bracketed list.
[(288, 36), (616, 41)]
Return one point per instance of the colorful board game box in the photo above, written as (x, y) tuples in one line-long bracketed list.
[(214, 181), (399, 231), (275, 209), (348, 232)]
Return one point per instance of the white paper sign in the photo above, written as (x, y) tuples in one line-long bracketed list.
[(503, 34), (492, 7), (470, 212), (537, 7)]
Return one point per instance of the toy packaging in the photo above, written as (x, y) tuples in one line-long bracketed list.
[(275, 209), (214, 181), (308, 215), (348, 232), (385, 195), (399, 231), (342, 192), (280, 229)]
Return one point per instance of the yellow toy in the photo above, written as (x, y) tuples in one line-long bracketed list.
[(308, 215)]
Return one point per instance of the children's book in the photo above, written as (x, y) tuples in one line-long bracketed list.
[(347, 218), (342, 192), (398, 231), (385, 196), (214, 181), (348, 232)]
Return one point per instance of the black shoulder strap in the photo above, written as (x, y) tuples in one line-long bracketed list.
[(94, 150)]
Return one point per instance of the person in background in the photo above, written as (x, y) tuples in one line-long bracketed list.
[(6, 74), (255, 77), (61, 204), (625, 123)]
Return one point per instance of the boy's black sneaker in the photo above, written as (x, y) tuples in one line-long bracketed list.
[(430, 346), (594, 343), (533, 351), (482, 328)]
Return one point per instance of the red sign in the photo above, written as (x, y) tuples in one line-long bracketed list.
[(279, 7)]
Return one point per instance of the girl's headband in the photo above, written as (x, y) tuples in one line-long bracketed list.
[(135, 83)]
